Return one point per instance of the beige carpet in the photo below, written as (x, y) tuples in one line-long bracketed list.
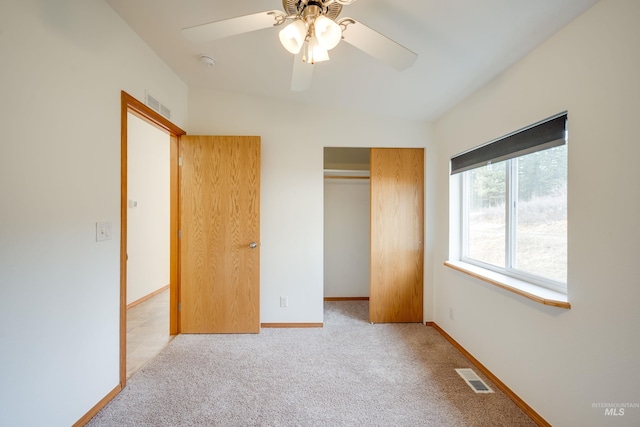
[(349, 373)]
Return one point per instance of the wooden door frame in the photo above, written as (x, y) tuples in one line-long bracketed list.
[(131, 105)]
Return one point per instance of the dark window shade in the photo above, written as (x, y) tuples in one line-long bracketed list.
[(541, 136)]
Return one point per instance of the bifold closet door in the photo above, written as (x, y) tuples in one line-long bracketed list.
[(397, 235)]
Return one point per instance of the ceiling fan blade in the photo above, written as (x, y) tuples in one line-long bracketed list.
[(375, 44), (234, 26), (302, 74)]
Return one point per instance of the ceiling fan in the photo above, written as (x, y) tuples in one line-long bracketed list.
[(313, 31)]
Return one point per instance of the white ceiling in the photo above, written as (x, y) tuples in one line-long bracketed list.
[(461, 44)]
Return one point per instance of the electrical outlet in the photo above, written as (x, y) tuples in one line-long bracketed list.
[(284, 301), (451, 313)]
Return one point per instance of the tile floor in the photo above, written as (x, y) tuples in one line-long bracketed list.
[(147, 331)]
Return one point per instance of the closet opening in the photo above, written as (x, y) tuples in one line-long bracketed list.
[(346, 223)]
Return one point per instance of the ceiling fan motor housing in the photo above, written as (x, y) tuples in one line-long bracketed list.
[(330, 9)]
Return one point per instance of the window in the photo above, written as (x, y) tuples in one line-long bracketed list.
[(513, 206)]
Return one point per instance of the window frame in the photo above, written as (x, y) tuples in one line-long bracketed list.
[(510, 215)]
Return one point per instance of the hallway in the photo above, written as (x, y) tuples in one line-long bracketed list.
[(147, 331)]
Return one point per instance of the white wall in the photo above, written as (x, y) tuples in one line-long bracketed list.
[(562, 361), (64, 64), (148, 183), (292, 182), (347, 237)]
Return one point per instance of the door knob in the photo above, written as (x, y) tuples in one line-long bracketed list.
[(253, 245)]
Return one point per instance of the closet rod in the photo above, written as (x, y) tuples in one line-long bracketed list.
[(345, 177)]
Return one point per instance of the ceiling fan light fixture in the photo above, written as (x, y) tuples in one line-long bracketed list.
[(293, 35), (314, 52), (327, 31)]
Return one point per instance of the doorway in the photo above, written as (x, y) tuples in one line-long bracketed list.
[(387, 252), (148, 249), (130, 105), (346, 223)]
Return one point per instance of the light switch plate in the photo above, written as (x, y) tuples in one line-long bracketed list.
[(103, 231)]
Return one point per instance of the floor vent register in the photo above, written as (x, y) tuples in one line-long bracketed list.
[(474, 381)]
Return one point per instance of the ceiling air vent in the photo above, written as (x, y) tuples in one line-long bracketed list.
[(474, 381), (158, 107)]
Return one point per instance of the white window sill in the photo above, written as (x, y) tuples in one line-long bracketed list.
[(527, 290)]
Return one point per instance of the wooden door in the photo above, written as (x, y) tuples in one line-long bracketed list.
[(220, 234), (397, 235)]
